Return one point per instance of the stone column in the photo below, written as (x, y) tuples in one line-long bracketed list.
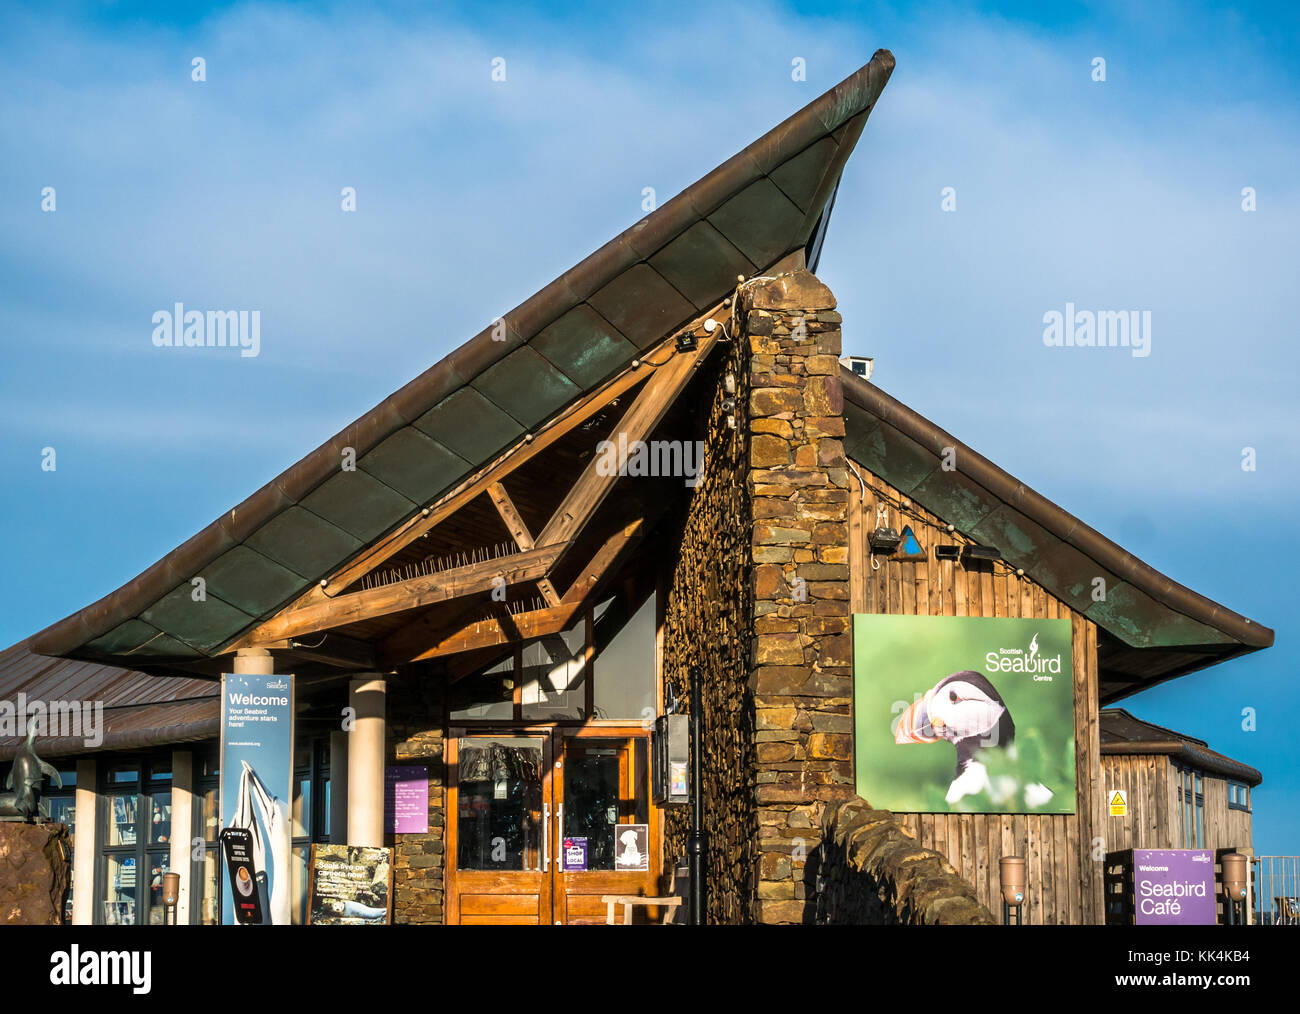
[(368, 699), (182, 828), (84, 837), (801, 672)]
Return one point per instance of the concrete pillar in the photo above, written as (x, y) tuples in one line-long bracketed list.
[(339, 788), (367, 697), (182, 828), (83, 844), (253, 662)]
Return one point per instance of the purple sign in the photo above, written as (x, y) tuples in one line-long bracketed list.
[(1173, 887), (406, 799), (575, 853)]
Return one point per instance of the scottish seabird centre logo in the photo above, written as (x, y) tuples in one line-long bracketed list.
[(1027, 660)]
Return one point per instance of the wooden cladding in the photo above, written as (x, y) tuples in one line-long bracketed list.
[(1065, 883), (1155, 817)]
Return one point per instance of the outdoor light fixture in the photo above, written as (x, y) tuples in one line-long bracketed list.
[(686, 342), (947, 552), (884, 540), (171, 895), (1234, 885), (1012, 870), (980, 554)]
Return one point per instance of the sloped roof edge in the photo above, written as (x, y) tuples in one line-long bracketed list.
[(1064, 526), (1156, 739), (841, 111)]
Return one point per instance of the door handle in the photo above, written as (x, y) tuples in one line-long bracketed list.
[(559, 837), (546, 842)]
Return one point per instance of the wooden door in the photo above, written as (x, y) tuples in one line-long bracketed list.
[(499, 820), (606, 831), (538, 821)]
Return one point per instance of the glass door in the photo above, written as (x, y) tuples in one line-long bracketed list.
[(607, 833), (499, 822)]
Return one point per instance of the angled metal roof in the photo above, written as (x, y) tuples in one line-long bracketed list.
[(759, 206), (139, 710), (1159, 628), (1125, 734)]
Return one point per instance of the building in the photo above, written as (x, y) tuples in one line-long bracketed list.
[(1185, 795), (510, 567)]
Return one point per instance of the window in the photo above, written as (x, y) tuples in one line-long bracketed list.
[(1239, 796), (309, 820), (205, 871), (603, 667), (135, 809), (1191, 807)]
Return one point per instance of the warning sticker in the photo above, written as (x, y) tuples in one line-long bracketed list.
[(1118, 803)]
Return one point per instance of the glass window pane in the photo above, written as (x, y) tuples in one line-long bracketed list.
[(120, 773), (204, 883), (324, 812), (160, 831), (555, 676), (592, 800), (63, 809), (121, 820), (119, 890), (300, 824), (625, 661), (69, 776), (160, 770), (209, 816), (499, 803), (159, 863), (487, 695)]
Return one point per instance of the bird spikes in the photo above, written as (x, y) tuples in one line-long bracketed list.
[(437, 564)]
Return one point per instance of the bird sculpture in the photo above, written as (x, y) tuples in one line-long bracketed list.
[(24, 779)]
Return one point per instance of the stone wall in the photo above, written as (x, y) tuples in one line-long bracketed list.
[(416, 736), (802, 659), (707, 623), (868, 869), (35, 868)]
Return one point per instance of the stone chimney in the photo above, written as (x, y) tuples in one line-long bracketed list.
[(802, 665)]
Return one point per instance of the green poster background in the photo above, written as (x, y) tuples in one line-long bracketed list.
[(898, 658)]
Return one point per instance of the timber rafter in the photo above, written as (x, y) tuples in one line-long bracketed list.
[(336, 602)]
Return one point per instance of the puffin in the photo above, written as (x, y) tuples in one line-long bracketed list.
[(967, 710)]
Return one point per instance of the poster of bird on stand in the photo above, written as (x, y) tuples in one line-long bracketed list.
[(956, 714)]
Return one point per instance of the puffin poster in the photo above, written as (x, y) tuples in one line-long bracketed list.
[(964, 714)]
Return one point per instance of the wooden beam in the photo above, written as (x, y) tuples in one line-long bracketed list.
[(337, 650), (602, 472), (453, 500), (518, 529), (525, 626), (403, 595)]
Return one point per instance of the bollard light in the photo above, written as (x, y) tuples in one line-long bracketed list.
[(1234, 876), (171, 895), (1012, 870)]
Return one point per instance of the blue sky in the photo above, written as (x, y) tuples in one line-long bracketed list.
[(471, 195)]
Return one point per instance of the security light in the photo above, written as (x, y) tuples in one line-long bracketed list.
[(884, 540), (947, 552), (980, 554)]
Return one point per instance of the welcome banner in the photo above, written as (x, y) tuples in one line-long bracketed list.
[(257, 796), (956, 714)]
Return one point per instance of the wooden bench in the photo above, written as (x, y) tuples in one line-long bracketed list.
[(630, 902)]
